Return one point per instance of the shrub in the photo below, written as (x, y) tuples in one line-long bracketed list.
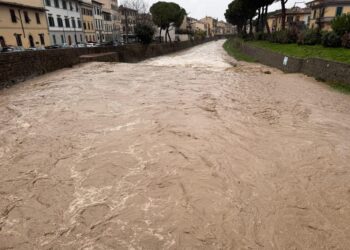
[(283, 36), (341, 24), (345, 40), (261, 36), (200, 35), (144, 32), (331, 39), (309, 37)]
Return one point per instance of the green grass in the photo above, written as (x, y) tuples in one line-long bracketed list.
[(305, 51), (233, 51), (341, 87)]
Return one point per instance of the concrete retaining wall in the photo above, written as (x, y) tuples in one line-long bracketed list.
[(19, 66), (320, 69)]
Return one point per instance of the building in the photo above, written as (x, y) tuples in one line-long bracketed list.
[(128, 22), (23, 24), (86, 8), (199, 26), (295, 17), (98, 20), (211, 24), (107, 26), (324, 11), (64, 19)]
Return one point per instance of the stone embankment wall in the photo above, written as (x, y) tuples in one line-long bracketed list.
[(320, 69), (19, 66)]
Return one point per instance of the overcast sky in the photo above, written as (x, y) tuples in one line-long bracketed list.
[(214, 8)]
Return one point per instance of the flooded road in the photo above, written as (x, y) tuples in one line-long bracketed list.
[(184, 151)]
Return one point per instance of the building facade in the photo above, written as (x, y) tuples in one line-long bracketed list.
[(324, 11), (88, 21), (64, 20), (128, 22), (23, 24), (211, 25), (295, 17), (98, 20)]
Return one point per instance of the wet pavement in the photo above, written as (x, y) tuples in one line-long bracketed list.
[(186, 151)]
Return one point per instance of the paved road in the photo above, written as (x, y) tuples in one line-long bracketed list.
[(184, 151)]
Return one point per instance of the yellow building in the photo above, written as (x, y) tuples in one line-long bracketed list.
[(324, 11), (88, 21), (211, 25), (23, 24), (295, 17)]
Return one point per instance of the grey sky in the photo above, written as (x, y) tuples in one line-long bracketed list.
[(214, 8)]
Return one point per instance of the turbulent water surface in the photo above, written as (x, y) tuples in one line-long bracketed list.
[(186, 151)]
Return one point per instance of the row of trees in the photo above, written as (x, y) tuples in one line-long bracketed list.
[(241, 12), (164, 15)]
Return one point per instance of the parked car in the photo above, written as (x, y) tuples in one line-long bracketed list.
[(90, 45), (56, 46), (10, 48)]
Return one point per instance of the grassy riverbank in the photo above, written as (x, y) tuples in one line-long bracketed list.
[(305, 51), (233, 51)]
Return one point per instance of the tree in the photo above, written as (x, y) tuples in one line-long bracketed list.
[(144, 32), (239, 12), (284, 14), (165, 14), (140, 5)]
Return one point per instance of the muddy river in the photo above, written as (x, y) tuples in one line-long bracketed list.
[(186, 151)]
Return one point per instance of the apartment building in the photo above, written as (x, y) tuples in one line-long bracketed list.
[(64, 19), (86, 8), (295, 17), (128, 22), (324, 11), (211, 25), (107, 26), (23, 24), (98, 20)]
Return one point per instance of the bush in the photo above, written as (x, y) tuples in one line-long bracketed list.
[(341, 24), (261, 36), (309, 37), (284, 36), (331, 39), (200, 35), (144, 32), (345, 40)]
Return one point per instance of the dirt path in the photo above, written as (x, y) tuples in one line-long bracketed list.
[(178, 152)]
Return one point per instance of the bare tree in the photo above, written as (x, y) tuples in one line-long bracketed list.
[(140, 5)]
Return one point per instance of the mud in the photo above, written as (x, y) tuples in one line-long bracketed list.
[(188, 151)]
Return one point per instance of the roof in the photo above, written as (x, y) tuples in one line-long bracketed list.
[(121, 7), (22, 6), (292, 11), (322, 3), (85, 3)]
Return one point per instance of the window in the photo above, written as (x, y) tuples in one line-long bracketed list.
[(66, 20), (64, 4), (339, 11), (88, 26), (26, 17), (54, 39), (70, 5), (2, 41), (84, 26), (76, 7), (62, 39), (13, 16), (51, 21), (73, 23), (37, 16), (57, 5), (59, 21), (48, 2), (42, 40), (81, 37), (79, 23), (18, 40)]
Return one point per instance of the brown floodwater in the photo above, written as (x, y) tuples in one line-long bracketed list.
[(186, 151)]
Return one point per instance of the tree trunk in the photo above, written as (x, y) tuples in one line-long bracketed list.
[(169, 36), (160, 35), (251, 26), (283, 5), (267, 23), (257, 27)]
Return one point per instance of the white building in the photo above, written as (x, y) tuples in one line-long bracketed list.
[(64, 19)]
